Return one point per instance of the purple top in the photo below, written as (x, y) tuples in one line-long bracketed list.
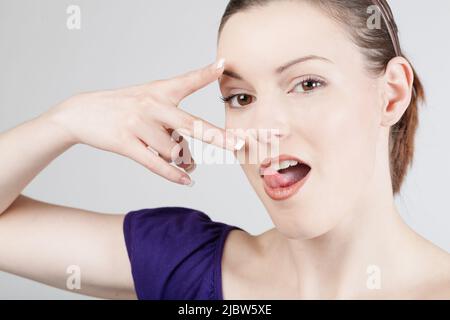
[(175, 253)]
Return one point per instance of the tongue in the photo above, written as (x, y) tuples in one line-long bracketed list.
[(287, 177)]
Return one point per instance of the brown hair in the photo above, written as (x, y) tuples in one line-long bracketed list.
[(378, 47)]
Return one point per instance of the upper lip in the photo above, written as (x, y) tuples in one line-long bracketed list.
[(268, 161)]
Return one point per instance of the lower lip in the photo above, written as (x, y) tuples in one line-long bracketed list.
[(285, 192)]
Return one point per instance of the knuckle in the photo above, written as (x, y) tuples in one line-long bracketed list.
[(158, 90), (149, 163), (143, 95), (133, 120), (125, 143), (156, 83), (189, 123), (144, 99), (157, 86), (118, 143), (124, 140)]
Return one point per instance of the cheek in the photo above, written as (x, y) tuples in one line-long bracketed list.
[(345, 142), (243, 124), (232, 121)]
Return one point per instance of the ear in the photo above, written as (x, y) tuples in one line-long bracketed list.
[(398, 82)]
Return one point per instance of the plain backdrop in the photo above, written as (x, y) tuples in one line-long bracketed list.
[(125, 42)]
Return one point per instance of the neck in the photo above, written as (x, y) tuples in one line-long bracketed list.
[(359, 256)]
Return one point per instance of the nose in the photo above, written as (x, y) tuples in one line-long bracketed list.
[(272, 123)]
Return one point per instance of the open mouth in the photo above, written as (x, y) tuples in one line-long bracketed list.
[(283, 176)]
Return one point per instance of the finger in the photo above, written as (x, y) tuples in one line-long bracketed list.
[(182, 156), (197, 128), (156, 139), (137, 151), (171, 148), (186, 84)]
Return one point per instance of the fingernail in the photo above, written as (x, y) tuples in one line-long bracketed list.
[(220, 64), (191, 167), (187, 181), (239, 144)]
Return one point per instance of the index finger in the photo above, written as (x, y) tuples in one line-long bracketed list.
[(182, 86), (197, 128)]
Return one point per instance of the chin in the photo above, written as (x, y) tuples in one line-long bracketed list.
[(301, 223)]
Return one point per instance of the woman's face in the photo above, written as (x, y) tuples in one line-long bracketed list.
[(325, 110)]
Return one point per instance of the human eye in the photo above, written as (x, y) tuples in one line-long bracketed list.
[(238, 101), (308, 84)]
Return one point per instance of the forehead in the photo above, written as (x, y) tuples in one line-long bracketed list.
[(272, 34)]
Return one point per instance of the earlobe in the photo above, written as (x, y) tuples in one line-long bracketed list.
[(398, 84)]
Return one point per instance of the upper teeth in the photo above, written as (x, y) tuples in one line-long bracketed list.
[(284, 164)]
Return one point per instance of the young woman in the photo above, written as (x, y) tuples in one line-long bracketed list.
[(344, 102)]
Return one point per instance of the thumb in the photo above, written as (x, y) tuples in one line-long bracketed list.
[(186, 84)]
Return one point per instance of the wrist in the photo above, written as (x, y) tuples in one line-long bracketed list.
[(54, 120)]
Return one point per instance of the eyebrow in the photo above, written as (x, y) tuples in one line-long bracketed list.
[(282, 68)]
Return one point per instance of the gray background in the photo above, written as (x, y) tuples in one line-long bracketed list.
[(129, 42)]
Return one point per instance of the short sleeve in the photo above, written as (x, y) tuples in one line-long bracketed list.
[(175, 253)]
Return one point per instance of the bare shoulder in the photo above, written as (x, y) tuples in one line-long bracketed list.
[(240, 249), (241, 264), (441, 287), (440, 292), (435, 270)]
